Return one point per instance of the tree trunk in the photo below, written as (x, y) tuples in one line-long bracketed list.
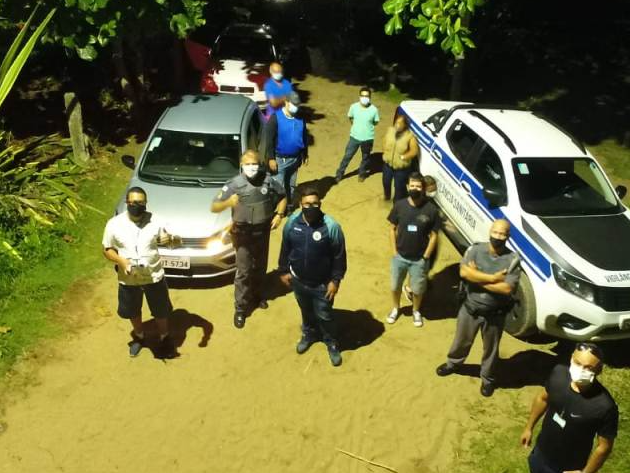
[(75, 127), (457, 79), (122, 73)]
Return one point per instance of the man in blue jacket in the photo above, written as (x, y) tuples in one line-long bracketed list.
[(313, 263)]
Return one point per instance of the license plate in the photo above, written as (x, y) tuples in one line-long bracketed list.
[(176, 262)]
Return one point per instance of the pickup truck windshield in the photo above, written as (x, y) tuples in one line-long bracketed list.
[(563, 187), (178, 156)]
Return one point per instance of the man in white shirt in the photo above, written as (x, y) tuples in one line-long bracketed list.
[(131, 242)]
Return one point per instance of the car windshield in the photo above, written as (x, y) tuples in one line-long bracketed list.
[(256, 49), (195, 158), (563, 187)]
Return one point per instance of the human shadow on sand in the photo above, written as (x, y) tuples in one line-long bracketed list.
[(357, 328), (180, 322), (440, 300)]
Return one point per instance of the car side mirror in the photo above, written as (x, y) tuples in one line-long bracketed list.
[(431, 127), (128, 161), (495, 197), (621, 191)]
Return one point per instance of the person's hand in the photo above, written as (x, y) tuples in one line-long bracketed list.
[(331, 290), (233, 200), (499, 276), (526, 438), (472, 264), (125, 264), (163, 238), (286, 279), (275, 221), (272, 164)]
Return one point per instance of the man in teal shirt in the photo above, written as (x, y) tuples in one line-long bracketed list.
[(363, 116)]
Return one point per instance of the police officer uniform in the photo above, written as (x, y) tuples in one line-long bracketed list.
[(483, 310), (250, 231)]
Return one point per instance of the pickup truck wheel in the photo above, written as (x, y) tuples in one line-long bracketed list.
[(520, 322)]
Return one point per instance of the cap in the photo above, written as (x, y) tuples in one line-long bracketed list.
[(294, 98)]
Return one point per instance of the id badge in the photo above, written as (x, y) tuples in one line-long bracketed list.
[(412, 228), (559, 420)]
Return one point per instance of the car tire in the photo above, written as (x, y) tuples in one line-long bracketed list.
[(520, 322)]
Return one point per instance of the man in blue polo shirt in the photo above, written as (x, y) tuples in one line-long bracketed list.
[(286, 144), (276, 89), (313, 262)]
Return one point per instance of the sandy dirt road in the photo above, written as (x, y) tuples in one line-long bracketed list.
[(243, 400)]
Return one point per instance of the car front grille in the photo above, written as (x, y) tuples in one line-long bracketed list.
[(199, 243), (613, 299), (237, 89)]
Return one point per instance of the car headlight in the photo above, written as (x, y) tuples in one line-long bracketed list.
[(219, 241), (573, 284)]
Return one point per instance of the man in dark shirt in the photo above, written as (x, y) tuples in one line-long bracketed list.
[(413, 236), (313, 262), (491, 272), (577, 409)]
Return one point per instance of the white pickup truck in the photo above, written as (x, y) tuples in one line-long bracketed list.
[(567, 222)]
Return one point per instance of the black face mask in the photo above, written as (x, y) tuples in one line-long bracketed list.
[(136, 210), (416, 194), (497, 244), (312, 214)]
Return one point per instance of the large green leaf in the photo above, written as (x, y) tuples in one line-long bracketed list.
[(17, 42)]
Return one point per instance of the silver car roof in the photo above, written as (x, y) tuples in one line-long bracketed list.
[(212, 114)]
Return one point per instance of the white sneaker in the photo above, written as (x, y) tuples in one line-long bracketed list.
[(393, 316), (408, 293), (417, 319)]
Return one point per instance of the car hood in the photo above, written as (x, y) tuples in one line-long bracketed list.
[(185, 211), (241, 71)]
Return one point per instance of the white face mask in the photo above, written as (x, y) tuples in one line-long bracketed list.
[(277, 76), (581, 376), (364, 100), (250, 170), (293, 109), (431, 194)]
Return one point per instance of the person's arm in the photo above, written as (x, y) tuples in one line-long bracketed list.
[(339, 263), (512, 276), (431, 246), (392, 239), (502, 288), (377, 118), (351, 113), (305, 141), (225, 199), (285, 249), (281, 209), (470, 273), (598, 455), (412, 152), (271, 140), (112, 255), (539, 406)]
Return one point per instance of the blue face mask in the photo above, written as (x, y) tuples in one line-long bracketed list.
[(277, 76), (364, 100), (293, 109)]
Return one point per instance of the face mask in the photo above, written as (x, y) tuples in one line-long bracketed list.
[(416, 194), (430, 195), (136, 210), (293, 108), (277, 76), (250, 170), (312, 214), (581, 376), (497, 244), (364, 100)]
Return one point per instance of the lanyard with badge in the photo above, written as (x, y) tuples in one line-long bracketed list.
[(560, 418)]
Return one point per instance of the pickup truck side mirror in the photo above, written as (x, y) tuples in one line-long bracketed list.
[(431, 127), (495, 197), (621, 191), (128, 161)]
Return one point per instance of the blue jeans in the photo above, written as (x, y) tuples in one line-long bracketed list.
[(317, 312), (417, 274), (351, 149), (400, 178), (537, 463), (287, 175)]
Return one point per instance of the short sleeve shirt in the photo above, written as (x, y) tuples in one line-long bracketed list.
[(274, 90), (232, 187), (137, 242), (491, 263), (413, 227), (573, 419), (363, 121)]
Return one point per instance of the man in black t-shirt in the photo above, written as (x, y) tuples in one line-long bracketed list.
[(413, 236), (577, 408)]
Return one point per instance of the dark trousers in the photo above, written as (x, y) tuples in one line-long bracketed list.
[(317, 312), (465, 333), (400, 178), (538, 464), (252, 252), (351, 149)]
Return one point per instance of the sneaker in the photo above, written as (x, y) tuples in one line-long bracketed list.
[(487, 389), (303, 345), (362, 178), (393, 316), (239, 320), (408, 293), (135, 346), (417, 319), (446, 370), (334, 354)]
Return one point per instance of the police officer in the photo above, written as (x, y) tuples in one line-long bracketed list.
[(258, 204), (491, 272), (313, 262)]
